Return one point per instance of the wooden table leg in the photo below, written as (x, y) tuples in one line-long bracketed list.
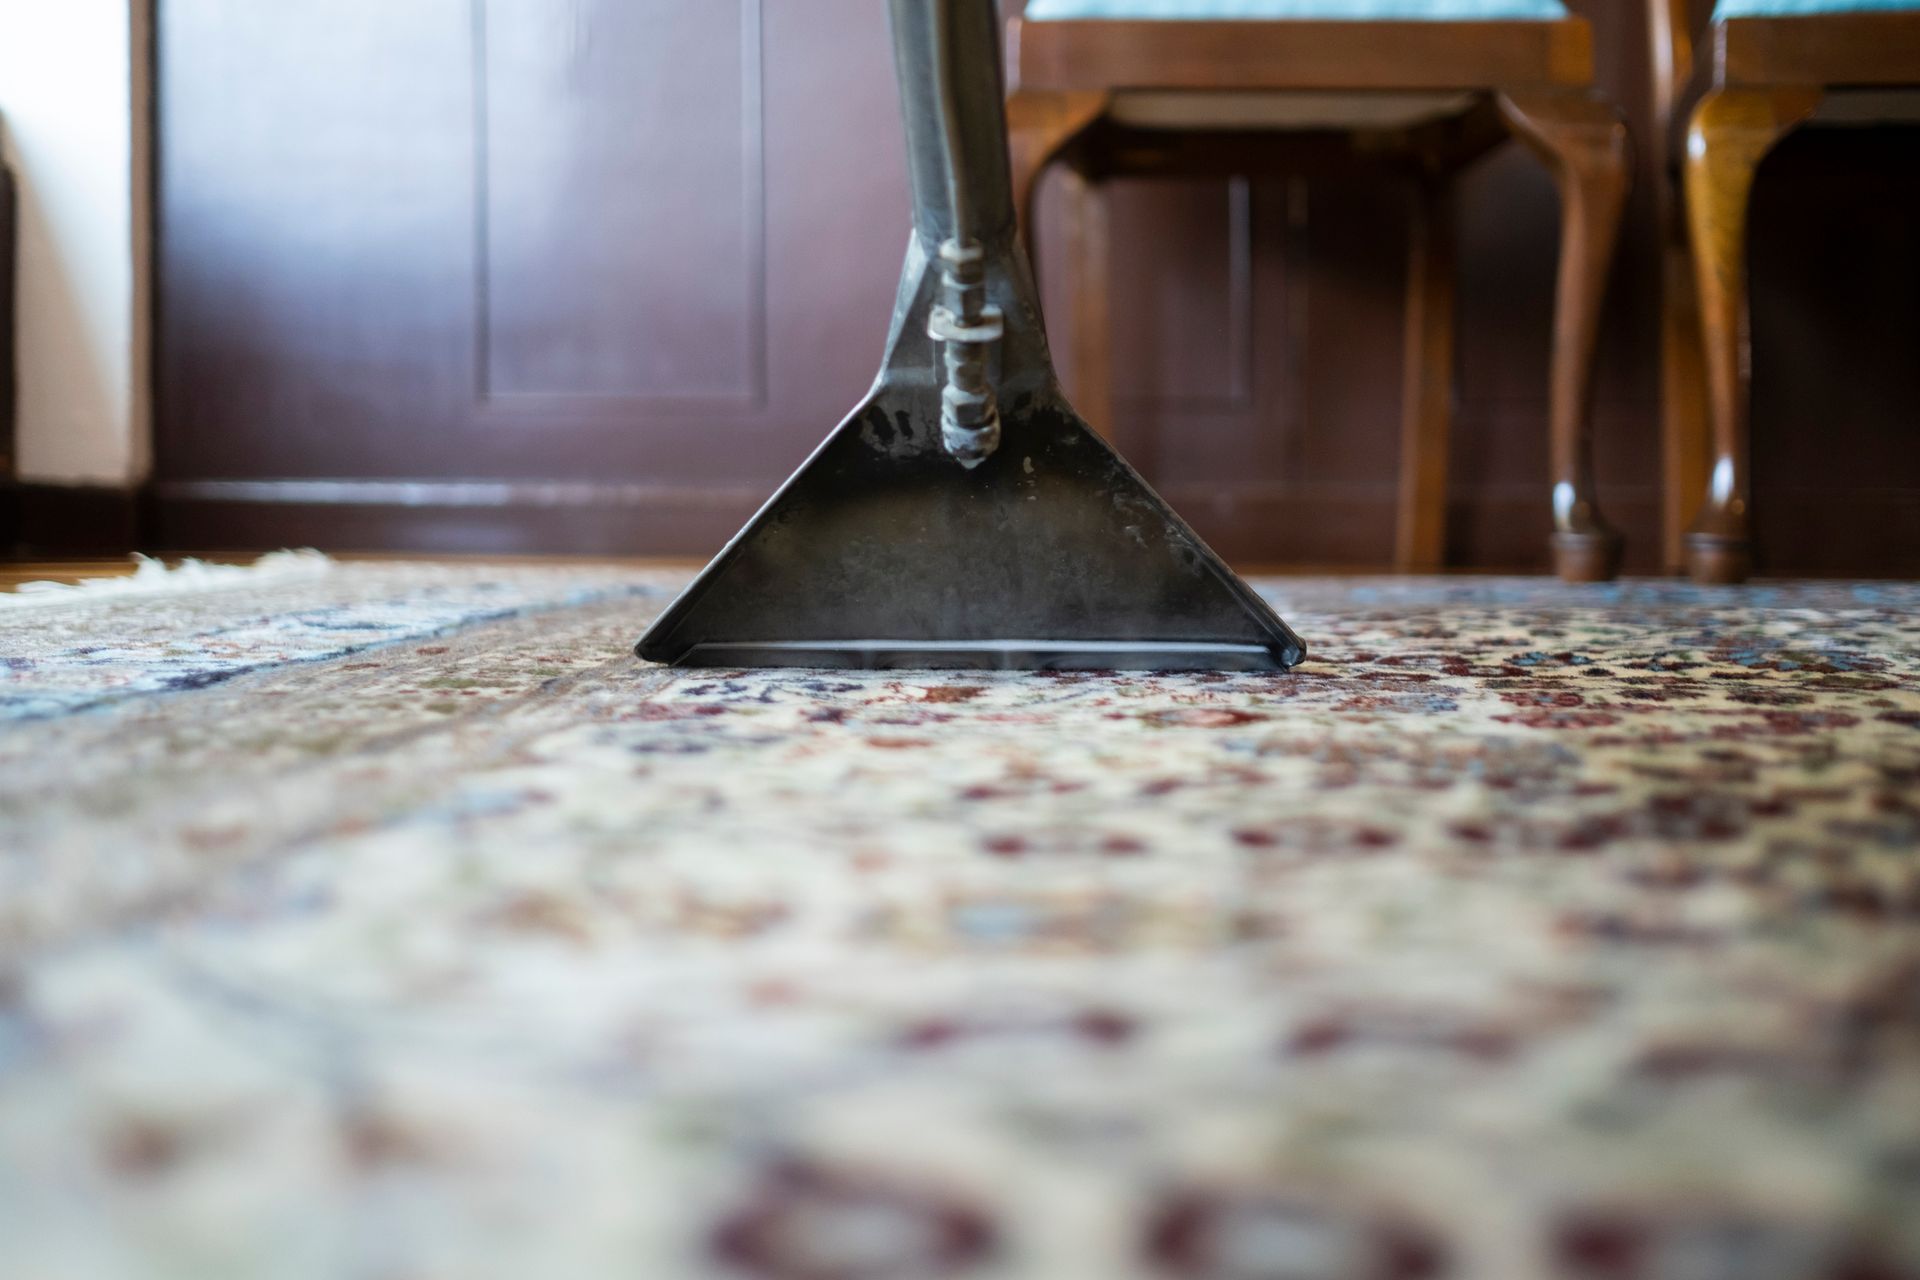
[(1583, 139), (1731, 132), (1426, 415)]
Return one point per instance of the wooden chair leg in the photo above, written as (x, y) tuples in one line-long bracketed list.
[(1684, 429), (1731, 132), (1040, 129), (1089, 251), (1583, 140), (1426, 414)]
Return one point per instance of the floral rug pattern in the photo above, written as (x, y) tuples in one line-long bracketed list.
[(1526, 931)]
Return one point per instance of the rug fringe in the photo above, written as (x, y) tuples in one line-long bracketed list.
[(155, 577)]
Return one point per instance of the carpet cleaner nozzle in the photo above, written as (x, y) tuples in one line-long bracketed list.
[(963, 515)]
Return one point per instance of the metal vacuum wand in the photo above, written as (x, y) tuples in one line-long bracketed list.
[(967, 326)]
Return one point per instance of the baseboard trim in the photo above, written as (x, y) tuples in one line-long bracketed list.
[(448, 493), (52, 521), (1311, 523), (1504, 526), (451, 516)]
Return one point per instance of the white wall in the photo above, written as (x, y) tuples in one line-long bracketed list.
[(68, 116)]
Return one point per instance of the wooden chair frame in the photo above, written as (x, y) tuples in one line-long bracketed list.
[(1766, 77), (1532, 80)]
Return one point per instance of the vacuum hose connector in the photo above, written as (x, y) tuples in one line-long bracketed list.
[(968, 329)]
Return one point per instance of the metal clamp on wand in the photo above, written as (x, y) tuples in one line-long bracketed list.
[(967, 326)]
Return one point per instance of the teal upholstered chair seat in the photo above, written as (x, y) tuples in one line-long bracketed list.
[(1806, 8), (1301, 10)]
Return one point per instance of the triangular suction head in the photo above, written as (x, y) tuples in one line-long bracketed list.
[(1052, 554), (964, 516), (884, 551)]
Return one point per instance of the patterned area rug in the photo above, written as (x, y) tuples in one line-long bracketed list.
[(1525, 932)]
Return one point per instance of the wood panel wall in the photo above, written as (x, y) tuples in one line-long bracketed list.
[(594, 275)]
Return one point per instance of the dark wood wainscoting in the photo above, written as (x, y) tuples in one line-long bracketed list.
[(594, 275)]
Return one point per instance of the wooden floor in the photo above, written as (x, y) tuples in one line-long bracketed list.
[(13, 573)]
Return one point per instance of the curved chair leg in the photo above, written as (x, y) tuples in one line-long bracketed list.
[(1040, 128), (1426, 413), (1583, 139), (1732, 131)]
